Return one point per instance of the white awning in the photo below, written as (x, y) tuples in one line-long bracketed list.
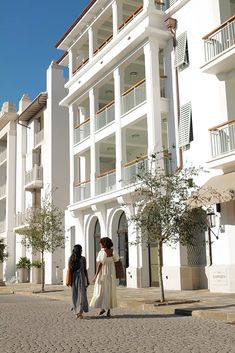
[(218, 189)]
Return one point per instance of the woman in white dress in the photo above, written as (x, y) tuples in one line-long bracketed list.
[(104, 296)]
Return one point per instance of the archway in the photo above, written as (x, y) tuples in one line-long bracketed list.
[(96, 239), (122, 233)]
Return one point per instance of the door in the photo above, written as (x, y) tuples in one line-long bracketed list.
[(123, 245), (153, 266)]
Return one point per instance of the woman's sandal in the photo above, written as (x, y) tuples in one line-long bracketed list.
[(108, 313), (79, 316), (102, 311)]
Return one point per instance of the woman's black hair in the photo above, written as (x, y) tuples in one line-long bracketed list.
[(76, 255)]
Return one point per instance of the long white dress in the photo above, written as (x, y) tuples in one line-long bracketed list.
[(104, 295)]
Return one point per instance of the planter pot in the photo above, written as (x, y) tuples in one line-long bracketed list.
[(36, 275), (23, 275)]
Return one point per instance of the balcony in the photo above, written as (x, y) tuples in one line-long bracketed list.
[(223, 138), (3, 192), (134, 96), (21, 217), (131, 17), (133, 168), (82, 131), (106, 182), (33, 178), (105, 115), (2, 226), (83, 63), (219, 46), (3, 156), (38, 138), (82, 191)]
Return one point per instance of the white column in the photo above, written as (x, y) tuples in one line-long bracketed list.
[(92, 34), (72, 112), (149, 4), (72, 62), (82, 114), (117, 16), (118, 140), (92, 97), (151, 51)]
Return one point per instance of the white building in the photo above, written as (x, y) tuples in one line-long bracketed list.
[(42, 162), (8, 117), (140, 79)]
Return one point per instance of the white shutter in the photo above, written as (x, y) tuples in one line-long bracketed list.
[(172, 2), (180, 52), (184, 125)]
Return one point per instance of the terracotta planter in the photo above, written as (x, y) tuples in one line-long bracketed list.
[(36, 275), (23, 275)]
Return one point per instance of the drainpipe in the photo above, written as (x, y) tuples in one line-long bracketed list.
[(171, 24)]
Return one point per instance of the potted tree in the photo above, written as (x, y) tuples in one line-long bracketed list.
[(36, 271), (23, 267)]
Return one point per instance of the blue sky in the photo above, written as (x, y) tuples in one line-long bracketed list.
[(28, 32)]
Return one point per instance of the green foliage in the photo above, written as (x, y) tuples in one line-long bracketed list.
[(23, 262), (43, 231), (3, 254), (36, 263), (163, 203)]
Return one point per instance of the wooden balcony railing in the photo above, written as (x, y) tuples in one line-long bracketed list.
[(106, 41), (216, 127), (131, 17), (84, 62), (133, 87), (127, 164), (80, 183), (79, 125), (105, 107), (224, 24), (106, 173)]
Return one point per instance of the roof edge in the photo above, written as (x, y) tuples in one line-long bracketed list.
[(78, 19)]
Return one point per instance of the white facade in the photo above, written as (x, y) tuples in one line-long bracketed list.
[(42, 161), (133, 90), (8, 116)]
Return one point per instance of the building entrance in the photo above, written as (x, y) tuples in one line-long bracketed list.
[(153, 266), (123, 251)]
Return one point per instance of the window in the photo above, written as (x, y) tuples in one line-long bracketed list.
[(181, 51), (185, 125)]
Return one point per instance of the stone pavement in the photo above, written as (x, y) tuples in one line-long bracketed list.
[(197, 303), (30, 324)]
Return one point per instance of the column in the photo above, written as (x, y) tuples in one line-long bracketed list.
[(151, 53), (149, 4), (92, 35), (72, 62), (93, 100), (118, 140), (72, 112), (117, 16)]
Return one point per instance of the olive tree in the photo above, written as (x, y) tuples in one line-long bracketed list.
[(168, 207), (43, 231)]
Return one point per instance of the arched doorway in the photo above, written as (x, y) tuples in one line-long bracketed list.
[(123, 252), (153, 266), (96, 241)]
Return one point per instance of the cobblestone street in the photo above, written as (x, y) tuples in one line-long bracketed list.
[(34, 325)]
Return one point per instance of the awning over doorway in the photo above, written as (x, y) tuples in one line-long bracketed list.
[(218, 189)]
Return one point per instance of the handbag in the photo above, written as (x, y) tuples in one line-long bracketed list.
[(119, 269), (69, 277)]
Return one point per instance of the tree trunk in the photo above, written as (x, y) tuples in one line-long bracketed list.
[(161, 286), (43, 273)]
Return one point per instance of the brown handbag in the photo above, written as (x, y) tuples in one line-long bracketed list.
[(119, 269), (69, 277)]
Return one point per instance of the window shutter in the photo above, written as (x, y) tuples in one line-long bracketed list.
[(180, 52), (185, 124), (172, 2)]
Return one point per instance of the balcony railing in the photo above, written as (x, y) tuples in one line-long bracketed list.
[(3, 156), (38, 138), (105, 115), (84, 62), (134, 96), (3, 192), (133, 168), (223, 138), (2, 226), (222, 38), (34, 177), (82, 131), (131, 17), (82, 191), (104, 43), (105, 182), (21, 217)]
